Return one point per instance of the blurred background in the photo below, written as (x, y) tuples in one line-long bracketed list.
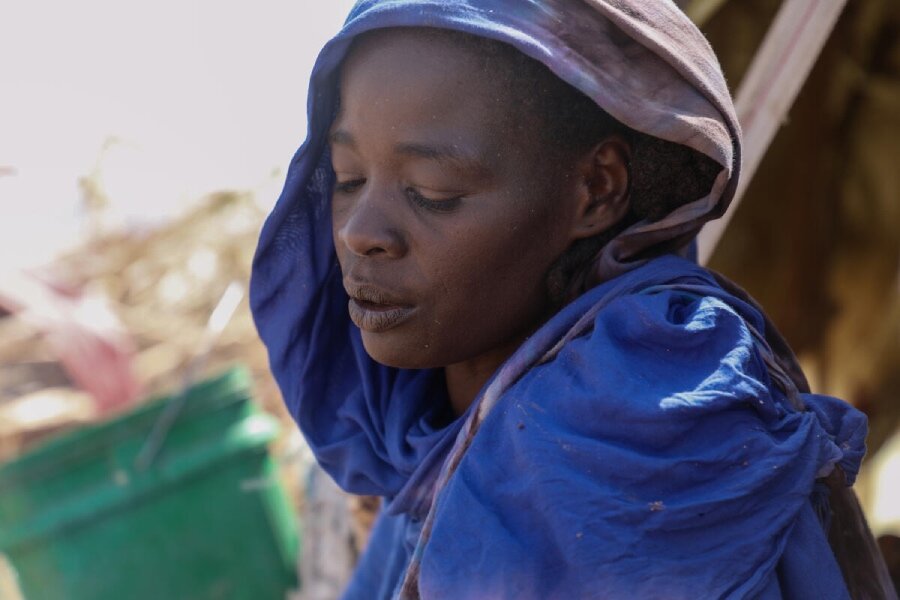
[(141, 147)]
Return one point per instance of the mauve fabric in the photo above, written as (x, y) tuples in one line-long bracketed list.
[(644, 443)]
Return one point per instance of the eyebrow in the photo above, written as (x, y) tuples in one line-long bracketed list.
[(341, 137), (436, 152)]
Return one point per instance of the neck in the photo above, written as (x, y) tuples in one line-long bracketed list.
[(465, 379)]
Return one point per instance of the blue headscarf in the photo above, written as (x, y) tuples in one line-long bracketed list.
[(653, 439)]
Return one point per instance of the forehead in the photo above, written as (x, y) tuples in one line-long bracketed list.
[(421, 77), (410, 55)]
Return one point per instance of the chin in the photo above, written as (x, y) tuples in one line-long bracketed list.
[(399, 353)]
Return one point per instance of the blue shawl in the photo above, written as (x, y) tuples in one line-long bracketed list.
[(652, 440)]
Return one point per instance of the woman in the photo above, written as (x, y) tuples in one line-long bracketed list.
[(475, 301)]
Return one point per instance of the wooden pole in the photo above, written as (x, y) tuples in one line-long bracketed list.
[(781, 66)]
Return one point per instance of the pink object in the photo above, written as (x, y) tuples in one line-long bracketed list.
[(87, 337)]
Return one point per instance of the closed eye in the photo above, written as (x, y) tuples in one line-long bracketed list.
[(434, 204), (349, 186)]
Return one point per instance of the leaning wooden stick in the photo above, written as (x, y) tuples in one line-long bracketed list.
[(781, 66)]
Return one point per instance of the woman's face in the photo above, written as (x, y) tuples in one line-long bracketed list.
[(446, 216)]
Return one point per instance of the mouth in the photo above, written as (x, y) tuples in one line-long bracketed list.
[(374, 310)]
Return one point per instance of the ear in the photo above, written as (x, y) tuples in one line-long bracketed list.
[(603, 194)]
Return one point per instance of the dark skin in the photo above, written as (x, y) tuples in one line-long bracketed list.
[(447, 215)]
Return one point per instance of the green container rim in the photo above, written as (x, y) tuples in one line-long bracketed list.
[(232, 386), (250, 435)]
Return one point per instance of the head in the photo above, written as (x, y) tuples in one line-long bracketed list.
[(473, 187)]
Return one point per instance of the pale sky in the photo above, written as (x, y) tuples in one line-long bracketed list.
[(197, 94)]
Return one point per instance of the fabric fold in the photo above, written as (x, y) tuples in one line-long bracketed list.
[(650, 452)]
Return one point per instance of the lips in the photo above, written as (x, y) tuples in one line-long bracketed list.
[(375, 310)]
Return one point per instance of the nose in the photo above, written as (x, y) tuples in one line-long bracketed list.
[(367, 225)]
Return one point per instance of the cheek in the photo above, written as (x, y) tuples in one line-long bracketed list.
[(492, 289), (480, 278), (336, 220), (478, 294)]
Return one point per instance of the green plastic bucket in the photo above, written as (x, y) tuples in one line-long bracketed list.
[(206, 520)]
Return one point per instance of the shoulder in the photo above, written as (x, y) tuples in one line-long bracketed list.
[(646, 455), (668, 319), (660, 355)]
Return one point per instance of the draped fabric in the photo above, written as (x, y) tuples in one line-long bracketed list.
[(650, 440), (640, 445)]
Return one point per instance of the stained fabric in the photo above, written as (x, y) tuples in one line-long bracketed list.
[(646, 442)]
